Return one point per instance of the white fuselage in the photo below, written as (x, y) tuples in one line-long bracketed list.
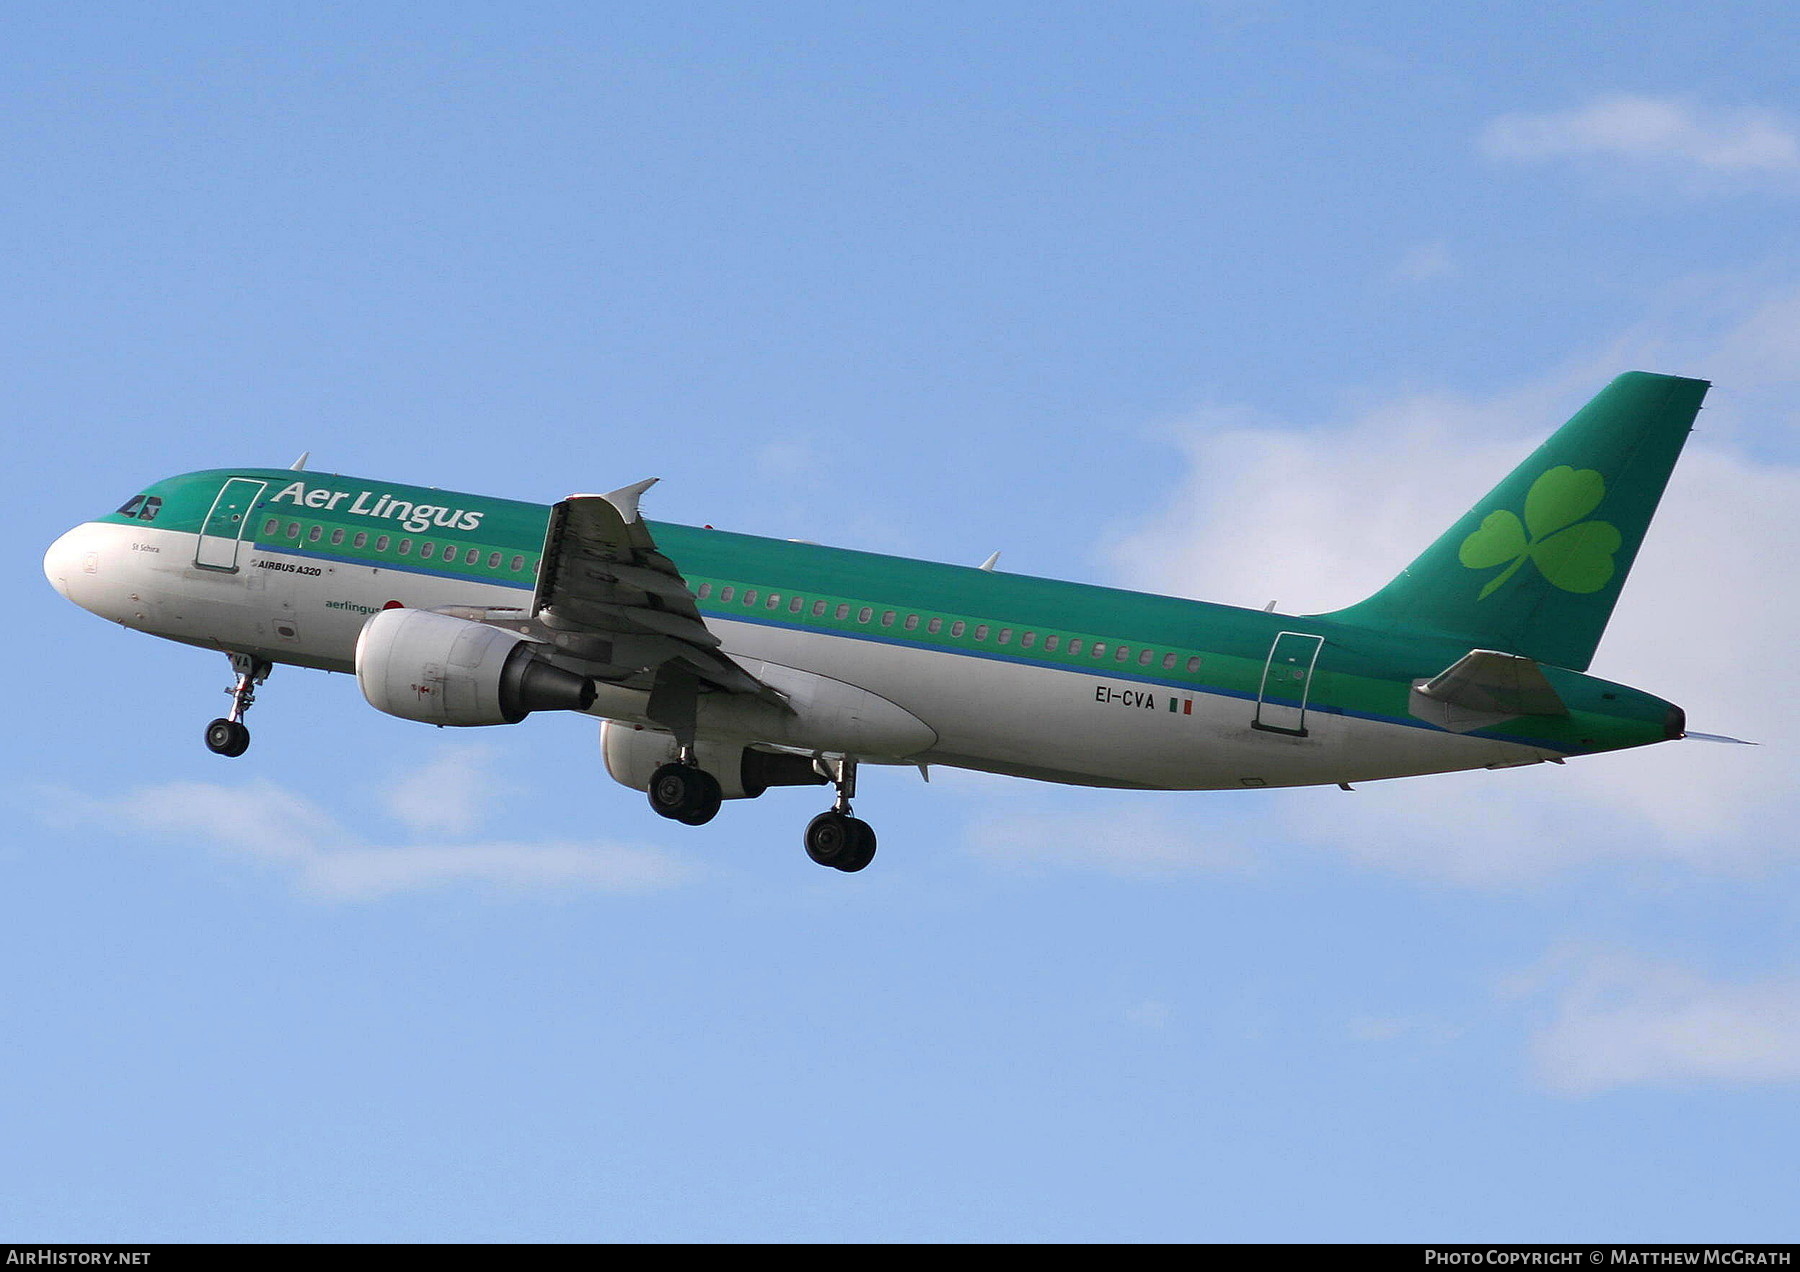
[(1065, 725)]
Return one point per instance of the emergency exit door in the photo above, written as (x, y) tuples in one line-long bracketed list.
[(224, 526), (1286, 683)]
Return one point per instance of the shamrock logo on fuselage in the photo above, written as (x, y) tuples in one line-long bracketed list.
[(1575, 555)]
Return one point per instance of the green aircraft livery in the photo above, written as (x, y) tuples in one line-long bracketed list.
[(725, 664)]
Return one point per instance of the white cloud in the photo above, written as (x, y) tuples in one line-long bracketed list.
[(1318, 518), (1149, 1014), (1619, 1019), (1413, 1030), (1654, 132), (1424, 262), (1142, 839), (447, 796), (263, 821)]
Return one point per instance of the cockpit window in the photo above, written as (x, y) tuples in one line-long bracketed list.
[(143, 507)]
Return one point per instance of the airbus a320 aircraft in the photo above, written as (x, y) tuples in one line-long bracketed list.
[(724, 664)]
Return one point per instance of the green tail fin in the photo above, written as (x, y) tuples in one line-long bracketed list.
[(1535, 568)]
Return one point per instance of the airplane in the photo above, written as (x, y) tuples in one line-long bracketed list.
[(723, 665)]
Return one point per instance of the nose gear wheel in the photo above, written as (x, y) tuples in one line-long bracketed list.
[(228, 735)]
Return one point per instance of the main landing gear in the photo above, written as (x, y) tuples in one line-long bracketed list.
[(228, 736), (835, 838), (685, 792)]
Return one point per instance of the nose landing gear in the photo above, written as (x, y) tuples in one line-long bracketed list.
[(228, 736)]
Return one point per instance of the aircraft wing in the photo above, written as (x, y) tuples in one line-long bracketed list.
[(623, 605)]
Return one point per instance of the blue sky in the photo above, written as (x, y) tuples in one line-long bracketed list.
[(1241, 301)]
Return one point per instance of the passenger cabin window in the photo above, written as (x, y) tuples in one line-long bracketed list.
[(493, 561), (935, 626), (703, 591), (749, 596), (842, 612), (818, 609), (425, 550), (1028, 639), (887, 618), (1193, 664), (912, 623), (361, 540), (795, 605), (1145, 658), (726, 592), (981, 632), (774, 600), (1075, 646), (293, 529), (1168, 662), (337, 537), (1050, 643), (863, 614), (271, 526), (381, 544), (315, 534)]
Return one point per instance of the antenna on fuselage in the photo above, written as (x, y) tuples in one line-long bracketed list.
[(990, 563), (299, 465)]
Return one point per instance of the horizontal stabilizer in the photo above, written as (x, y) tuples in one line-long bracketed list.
[(1482, 688)]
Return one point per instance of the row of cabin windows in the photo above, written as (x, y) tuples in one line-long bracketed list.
[(958, 628), (470, 556)]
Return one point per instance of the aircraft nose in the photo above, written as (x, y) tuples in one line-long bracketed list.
[(70, 560)]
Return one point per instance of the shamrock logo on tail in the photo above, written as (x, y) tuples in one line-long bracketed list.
[(1575, 555)]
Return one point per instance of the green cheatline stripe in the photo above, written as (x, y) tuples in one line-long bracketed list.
[(1354, 675), (1380, 700)]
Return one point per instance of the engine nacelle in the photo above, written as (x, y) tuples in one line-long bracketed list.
[(450, 671), (633, 753)]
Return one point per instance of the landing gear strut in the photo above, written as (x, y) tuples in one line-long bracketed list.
[(835, 838), (685, 792), (228, 736)]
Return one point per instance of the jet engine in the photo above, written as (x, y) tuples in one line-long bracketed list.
[(633, 753), (450, 671)]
